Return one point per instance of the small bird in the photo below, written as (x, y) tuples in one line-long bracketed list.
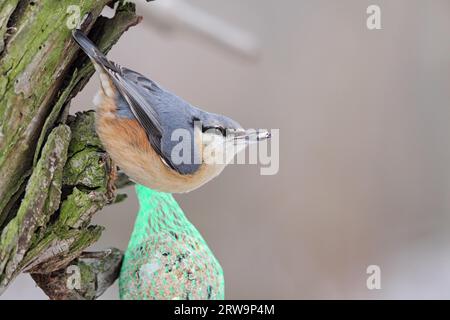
[(137, 120)]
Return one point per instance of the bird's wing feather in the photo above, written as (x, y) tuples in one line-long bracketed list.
[(131, 90), (141, 109), (133, 87)]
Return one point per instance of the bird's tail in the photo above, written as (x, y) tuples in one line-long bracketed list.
[(91, 49)]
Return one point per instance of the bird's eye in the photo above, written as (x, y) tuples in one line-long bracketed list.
[(217, 130)]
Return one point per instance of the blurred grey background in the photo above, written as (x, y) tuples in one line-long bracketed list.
[(364, 147)]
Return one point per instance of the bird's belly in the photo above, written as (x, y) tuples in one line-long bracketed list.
[(127, 143)]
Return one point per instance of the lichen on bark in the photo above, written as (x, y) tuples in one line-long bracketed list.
[(41, 200), (97, 271), (34, 63), (54, 172)]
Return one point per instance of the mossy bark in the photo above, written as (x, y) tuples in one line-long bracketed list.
[(96, 270), (54, 174)]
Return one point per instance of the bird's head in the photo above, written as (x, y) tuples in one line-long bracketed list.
[(222, 138)]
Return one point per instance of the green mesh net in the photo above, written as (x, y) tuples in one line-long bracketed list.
[(167, 258)]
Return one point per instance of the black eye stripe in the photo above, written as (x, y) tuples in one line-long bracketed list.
[(222, 130)]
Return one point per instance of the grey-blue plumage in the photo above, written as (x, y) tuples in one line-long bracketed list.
[(159, 111), (142, 126)]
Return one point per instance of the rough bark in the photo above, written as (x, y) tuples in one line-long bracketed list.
[(87, 278), (54, 174)]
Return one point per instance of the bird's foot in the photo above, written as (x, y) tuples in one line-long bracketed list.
[(111, 170)]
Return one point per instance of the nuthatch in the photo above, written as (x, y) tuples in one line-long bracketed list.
[(136, 119)]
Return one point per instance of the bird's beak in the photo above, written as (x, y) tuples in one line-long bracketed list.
[(250, 136)]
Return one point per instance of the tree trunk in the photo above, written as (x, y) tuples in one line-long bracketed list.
[(54, 174)]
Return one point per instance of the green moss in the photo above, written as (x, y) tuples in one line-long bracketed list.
[(6, 9), (78, 208), (86, 175), (83, 131), (32, 70), (53, 116), (39, 203), (38, 79), (86, 169)]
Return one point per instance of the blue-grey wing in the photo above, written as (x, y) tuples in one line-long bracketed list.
[(142, 97), (140, 107), (150, 105)]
